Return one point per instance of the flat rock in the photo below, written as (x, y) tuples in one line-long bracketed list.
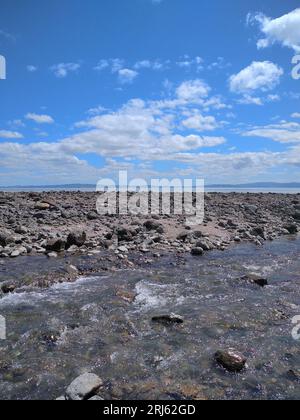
[(84, 387)]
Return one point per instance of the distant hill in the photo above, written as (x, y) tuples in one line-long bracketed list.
[(255, 185)]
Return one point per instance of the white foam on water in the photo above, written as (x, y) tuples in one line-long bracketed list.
[(54, 293), (153, 295)]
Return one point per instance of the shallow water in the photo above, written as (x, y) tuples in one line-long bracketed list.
[(54, 335)]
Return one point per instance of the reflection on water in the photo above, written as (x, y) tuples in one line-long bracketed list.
[(103, 325)]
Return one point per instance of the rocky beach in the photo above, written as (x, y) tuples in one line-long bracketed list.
[(88, 296), (66, 224)]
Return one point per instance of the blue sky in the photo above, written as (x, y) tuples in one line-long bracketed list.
[(160, 88)]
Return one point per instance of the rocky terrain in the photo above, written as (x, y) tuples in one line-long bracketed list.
[(59, 224)]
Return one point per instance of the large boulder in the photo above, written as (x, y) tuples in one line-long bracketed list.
[(84, 387), (76, 238), (6, 238)]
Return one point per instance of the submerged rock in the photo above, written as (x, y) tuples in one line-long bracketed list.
[(231, 360), (168, 319), (84, 387)]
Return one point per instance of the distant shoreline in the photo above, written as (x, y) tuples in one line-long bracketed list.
[(247, 188)]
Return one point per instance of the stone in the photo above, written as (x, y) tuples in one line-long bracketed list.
[(231, 360), (42, 206), (292, 229), (92, 215), (296, 215), (76, 238), (256, 279), (168, 319), (96, 398), (154, 225), (197, 251), (15, 254), (8, 288), (84, 387), (52, 254), (72, 270), (258, 231), (56, 245), (62, 398), (6, 239)]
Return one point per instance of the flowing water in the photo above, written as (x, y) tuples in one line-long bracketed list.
[(103, 325)]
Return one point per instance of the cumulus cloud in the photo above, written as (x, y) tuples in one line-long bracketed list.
[(296, 115), (284, 30), (200, 123), (40, 118), (262, 76), (127, 75), (193, 90), (4, 134), (62, 70)]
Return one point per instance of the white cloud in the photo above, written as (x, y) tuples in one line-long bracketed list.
[(200, 123), (193, 90), (127, 75), (62, 70), (102, 65), (4, 134), (284, 30), (31, 68), (258, 76), (284, 132), (152, 65), (39, 118), (296, 115)]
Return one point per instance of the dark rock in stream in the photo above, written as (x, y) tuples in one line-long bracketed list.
[(231, 360), (168, 319), (8, 288)]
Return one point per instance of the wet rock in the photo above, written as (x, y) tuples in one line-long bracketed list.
[(56, 245), (197, 251), (52, 254), (168, 319), (84, 387), (231, 360), (8, 288), (72, 270), (76, 238), (292, 229), (294, 375), (62, 398), (256, 279), (96, 398)]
